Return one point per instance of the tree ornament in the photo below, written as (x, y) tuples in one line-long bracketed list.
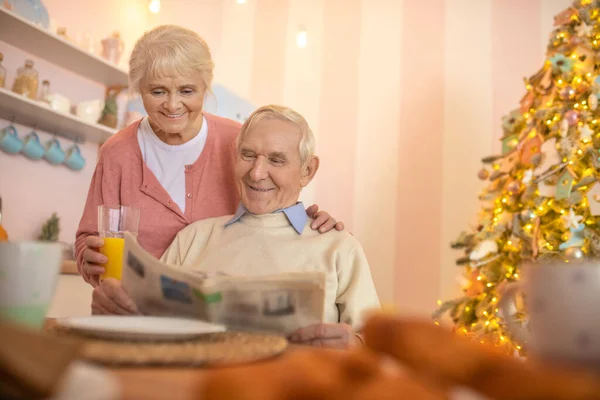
[(574, 254), (509, 143), (527, 177), (526, 215), (564, 17), (567, 93), (515, 187), (593, 101), (530, 147), (576, 238), (550, 157), (527, 102), (483, 174), (584, 30), (571, 219), (565, 184), (585, 133), (593, 198), (572, 117), (483, 249)]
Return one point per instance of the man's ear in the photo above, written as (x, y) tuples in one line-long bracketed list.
[(308, 172)]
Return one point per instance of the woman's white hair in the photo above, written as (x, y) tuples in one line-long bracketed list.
[(307, 139), (170, 50)]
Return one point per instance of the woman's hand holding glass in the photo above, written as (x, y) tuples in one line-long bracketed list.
[(93, 260), (103, 256)]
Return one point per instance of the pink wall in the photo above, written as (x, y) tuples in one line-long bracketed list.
[(32, 190), (268, 66), (512, 53), (339, 108), (404, 97), (420, 155)]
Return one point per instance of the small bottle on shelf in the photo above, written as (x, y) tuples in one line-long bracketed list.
[(45, 91), (62, 32), (2, 71), (27, 81)]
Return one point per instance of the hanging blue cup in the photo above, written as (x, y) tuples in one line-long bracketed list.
[(9, 141), (54, 154), (32, 148), (74, 159)]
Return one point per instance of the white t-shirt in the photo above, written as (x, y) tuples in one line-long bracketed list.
[(168, 167)]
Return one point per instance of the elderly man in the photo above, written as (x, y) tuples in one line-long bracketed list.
[(269, 234)]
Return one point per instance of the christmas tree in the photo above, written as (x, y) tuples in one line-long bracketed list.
[(543, 196)]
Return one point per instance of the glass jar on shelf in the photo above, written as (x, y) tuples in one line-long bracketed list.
[(2, 71), (27, 81), (112, 48), (45, 91)]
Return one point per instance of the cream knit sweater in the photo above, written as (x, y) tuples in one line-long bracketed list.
[(267, 244)]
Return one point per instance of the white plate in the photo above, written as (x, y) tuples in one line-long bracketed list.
[(140, 327)]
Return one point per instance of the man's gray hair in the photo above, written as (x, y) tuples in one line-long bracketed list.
[(272, 111)]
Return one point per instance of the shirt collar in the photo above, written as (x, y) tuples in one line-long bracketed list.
[(296, 216)]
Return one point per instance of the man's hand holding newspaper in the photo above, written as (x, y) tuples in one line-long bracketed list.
[(280, 303)]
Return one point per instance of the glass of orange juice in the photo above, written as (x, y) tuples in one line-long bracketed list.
[(113, 222)]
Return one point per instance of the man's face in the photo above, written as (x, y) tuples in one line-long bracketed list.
[(268, 168)]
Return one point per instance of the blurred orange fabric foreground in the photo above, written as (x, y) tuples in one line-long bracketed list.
[(430, 362)]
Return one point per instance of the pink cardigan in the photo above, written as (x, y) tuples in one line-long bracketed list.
[(123, 178)]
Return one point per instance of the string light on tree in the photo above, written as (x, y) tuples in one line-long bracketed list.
[(542, 200)]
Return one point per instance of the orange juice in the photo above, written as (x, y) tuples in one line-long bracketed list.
[(113, 250)]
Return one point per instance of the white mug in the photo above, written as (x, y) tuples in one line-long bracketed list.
[(562, 301), (58, 102), (28, 276), (90, 111)]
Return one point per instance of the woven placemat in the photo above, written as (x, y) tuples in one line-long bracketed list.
[(225, 348)]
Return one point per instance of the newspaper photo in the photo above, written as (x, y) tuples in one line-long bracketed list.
[(279, 303)]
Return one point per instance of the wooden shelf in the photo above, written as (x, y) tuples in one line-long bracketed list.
[(35, 40), (21, 110)]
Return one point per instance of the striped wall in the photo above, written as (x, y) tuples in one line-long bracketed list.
[(405, 97)]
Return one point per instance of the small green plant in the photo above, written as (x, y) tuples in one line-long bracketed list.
[(50, 229)]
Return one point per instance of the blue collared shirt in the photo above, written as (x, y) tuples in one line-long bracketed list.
[(296, 216)]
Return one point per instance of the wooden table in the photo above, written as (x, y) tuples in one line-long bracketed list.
[(168, 383), (159, 383)]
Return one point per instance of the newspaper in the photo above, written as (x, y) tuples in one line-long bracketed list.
[(279, 303)]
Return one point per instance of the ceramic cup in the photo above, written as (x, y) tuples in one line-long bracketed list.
[(561, 301), (9, 140), (32, 148), (73, 158), (53, 152), (58, 102), (28, 276), (90, 111)]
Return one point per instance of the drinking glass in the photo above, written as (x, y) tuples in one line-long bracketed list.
[(113, 222)]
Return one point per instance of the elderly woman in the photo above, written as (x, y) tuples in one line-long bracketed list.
[(176, 164)]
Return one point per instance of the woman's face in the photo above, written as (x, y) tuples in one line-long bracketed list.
[(174, 106)]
